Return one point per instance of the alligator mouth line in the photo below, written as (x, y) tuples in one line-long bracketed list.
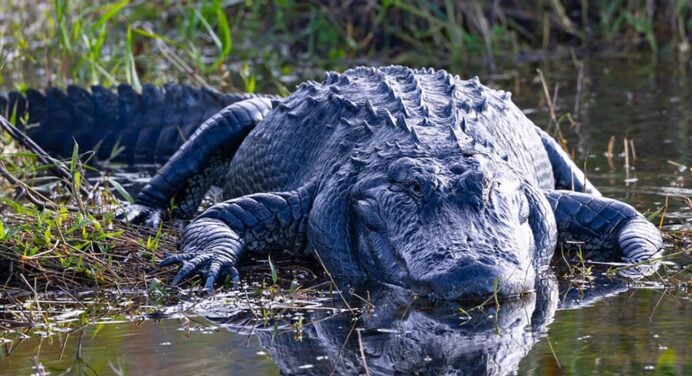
[(502, 286), (477, 301)]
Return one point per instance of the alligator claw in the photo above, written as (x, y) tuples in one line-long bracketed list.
[(191, 266), (140, 214), (170, 259), (217, 271), (208, 247)]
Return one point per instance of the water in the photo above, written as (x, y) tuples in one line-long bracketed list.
[(636, 332), (622, 99), (146, 348), (616, 331), (641, 331)]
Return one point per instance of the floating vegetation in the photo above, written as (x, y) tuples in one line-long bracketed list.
[(27, 311)]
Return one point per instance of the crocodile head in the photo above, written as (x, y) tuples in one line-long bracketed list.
[(449, 226)]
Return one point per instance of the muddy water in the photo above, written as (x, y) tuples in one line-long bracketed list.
[(643, 104)]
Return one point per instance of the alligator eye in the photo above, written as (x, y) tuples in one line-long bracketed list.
[(416, 187)]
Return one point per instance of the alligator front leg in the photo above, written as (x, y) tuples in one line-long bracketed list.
[(605, 224), (216, 240), (567, 174), (200, 162)]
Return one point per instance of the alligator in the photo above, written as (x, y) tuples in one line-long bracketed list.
[(410, 177)]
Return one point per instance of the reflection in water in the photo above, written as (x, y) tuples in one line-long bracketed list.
[(543, 333), (399, 335), (168, 347)]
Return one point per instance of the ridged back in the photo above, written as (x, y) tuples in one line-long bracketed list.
[(375, 112)]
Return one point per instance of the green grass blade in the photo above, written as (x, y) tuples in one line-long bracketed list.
[(275, 275), (121, 190), (131, 68), (111, 10), (74, 158)]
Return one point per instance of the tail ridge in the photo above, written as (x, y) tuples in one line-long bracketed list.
[(145, 127)]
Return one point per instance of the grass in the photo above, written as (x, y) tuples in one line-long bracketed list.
[(61, 229), (257, 44), (64, 253), (58, 263)]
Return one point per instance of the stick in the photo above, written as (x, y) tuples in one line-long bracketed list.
[(58, 168)]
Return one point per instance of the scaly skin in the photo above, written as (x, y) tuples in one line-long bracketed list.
[(410, 177), (148, 127)]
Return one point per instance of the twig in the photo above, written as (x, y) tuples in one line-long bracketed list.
[(341, 349), (580, 82), (546, 93), (173, 57), (362, 352), (663, 213), (319, 258), (627, 154), (33, 196), (552, 350), (58, 168), (610, 153)]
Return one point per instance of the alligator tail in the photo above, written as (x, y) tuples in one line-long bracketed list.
[(120, 125)]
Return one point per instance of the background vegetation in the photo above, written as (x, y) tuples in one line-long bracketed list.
[(258, 44)]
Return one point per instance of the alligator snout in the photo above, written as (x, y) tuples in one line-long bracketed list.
[(474, 281)]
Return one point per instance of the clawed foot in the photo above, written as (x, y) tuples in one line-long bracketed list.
[(140, 214), (209, 247)]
